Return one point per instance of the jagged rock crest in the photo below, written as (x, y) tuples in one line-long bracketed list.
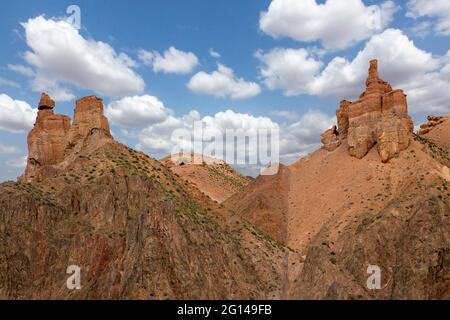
[(379, 117), (54, 139)]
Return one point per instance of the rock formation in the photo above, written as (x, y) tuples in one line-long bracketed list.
[(88, 122), (212, 176), (330, 139), (433, 121), (53, 138), (379, 117), (46, 102), (47, 140)]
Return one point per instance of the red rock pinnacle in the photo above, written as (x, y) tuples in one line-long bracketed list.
[(379, 117), (54, 139), (46, 102), (373, 72)]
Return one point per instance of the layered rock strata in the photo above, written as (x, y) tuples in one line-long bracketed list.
[(54, 138), (433, 121), (379, 117)]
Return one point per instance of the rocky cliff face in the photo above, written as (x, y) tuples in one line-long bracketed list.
[(53, 139), (330, 139), (433, 122), (88, 120), (437, 131), (47, 140), (379, 117), (406, 235)]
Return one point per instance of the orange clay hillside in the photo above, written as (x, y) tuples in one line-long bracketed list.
[(437, 130), (374, 194), (212, 176)]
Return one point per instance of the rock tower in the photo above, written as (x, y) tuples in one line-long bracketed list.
[(54, 138), (379, 117)]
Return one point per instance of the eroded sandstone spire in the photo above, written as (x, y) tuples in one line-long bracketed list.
[(379, 117), (46, 141), (373, 72), (88, 122), (53, 139), (46, 102)]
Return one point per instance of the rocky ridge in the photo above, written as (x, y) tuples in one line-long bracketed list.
[(343, 210), (136, 229), (433, 121), (212, 176)]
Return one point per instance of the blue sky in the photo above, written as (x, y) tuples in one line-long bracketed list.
[(290, 65)]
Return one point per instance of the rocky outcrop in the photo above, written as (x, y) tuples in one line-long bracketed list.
[(46, 102), (53, 138), (379, 117), (89, 116), (46, 141), (88, 123), (408, 240), (212, 176), (342, 119), (433, 121), (330, 139), (437, 135)]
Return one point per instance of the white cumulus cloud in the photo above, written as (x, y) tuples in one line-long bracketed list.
[(171, 61), (336, 24), (153, 125), (437, 10), (157, 138), (401, 62), (60, 55), (291, 70), (223, 83), (295, 139), (16, 116), (301, 137), (137, 111)]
